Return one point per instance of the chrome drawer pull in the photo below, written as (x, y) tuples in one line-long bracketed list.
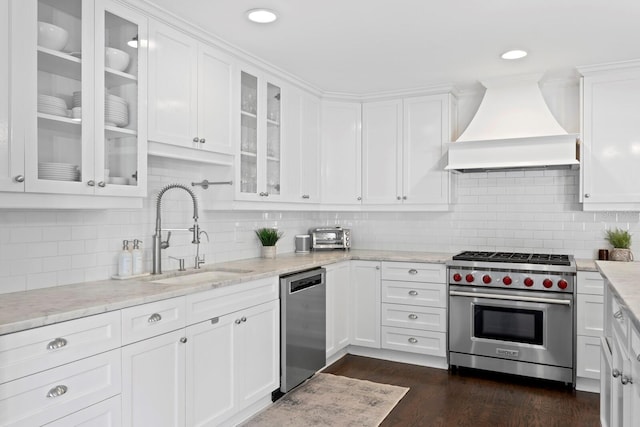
[(413, 293), (617, 314), (625, 380), (243, 319), (412, 340), (57, 343), (413, 316), (238, 321), (413, 271), (616, 373), (155, 317), (57, 391)]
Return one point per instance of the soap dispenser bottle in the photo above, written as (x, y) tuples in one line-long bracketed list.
[(136, 258), (125, 260)]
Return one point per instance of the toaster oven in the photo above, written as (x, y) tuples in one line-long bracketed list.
[(330, 238)]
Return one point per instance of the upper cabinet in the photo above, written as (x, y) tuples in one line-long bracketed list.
[(404, 151), (259, 163), (11, 152), (610, 129), (341, 152), (78, 99), (190, 99)]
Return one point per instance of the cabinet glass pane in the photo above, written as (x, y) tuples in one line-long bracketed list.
[(249, 94), (249, 174), (273, 139), (120, 101), (59, 90), (249, 133)]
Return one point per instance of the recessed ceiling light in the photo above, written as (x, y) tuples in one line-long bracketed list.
[(514, 54), (261, 16)]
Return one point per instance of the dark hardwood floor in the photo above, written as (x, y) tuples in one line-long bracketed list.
[(473, 398)]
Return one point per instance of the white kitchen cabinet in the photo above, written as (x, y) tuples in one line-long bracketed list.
[(102, 150), (341, 124), (107, 413), (338, 279), (589, 329), (609, 172), (301, 147), (154, 380), (190, 101), (259, 161), (404, 150), (365, 304)]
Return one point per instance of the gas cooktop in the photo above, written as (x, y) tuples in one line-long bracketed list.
[(514, 257)]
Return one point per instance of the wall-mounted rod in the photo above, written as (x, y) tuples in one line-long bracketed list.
[(205, 183)]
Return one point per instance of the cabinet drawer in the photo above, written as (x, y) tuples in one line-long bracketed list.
[(634, 352), (53, 394), (218, 302), (34, 350), (619, 320), (588, 357), (415, 293), (590, 282), (590, 312), (148, 320), (414, 317), (414, 341), (414, 272), (104, 414)]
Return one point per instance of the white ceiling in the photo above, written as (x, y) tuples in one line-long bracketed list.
[(370, 46)]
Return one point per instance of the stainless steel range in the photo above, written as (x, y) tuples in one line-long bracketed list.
[(513, 313)]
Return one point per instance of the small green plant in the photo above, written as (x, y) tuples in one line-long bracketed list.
[(619, 239), (268, 236)]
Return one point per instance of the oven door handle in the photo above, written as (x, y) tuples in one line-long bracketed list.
[(510, 297)]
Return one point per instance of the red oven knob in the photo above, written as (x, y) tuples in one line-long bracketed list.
[(486, 279), (547, 283), (528, 282), (507, 280), (457, 277), (469, 278), (562, 284)]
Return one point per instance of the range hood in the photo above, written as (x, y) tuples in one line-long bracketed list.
[(513, 129)]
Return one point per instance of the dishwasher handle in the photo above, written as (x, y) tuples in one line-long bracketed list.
[(305, 280)]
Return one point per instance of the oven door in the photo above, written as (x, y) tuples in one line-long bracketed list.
[(522, 326)]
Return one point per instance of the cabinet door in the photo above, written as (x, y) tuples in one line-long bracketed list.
[(606, 382), (338, 282), (257, 352), (365, 303), (214, 100), (107, 413), (341, 153), (610, 174), (173, 86), (11, 144), (382, 152), (211, 381), (590, 313), (427, 129), (588, 357), (153, 381)]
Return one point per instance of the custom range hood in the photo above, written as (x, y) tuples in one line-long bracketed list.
[(513, 129)]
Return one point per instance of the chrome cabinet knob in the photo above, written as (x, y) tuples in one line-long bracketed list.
[(626, 380), (237, 321), (413, 316), (243, 319), (102, 184), (399, 198), (359, 198), (305, 196), (404, 197), (413, 271), (616, 373), (57, 343), (412, 340), (202, 140), (617, 314), (587, 195), (413, 293), (57, 391), (196, 139), (91, 183), (183, 340), (155, 317), (18, 178)]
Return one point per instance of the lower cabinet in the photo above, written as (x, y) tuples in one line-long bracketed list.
[(365, 304), (107, 413), (338, 284), (589, 315)]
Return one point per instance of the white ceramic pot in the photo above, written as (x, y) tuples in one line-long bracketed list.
[(269, 252), (617, 254), (116, 59), (51, 36)]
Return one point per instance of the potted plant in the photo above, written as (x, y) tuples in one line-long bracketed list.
[(268, 237), (621, 242)]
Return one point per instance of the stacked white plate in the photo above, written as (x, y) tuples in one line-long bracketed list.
[(116, 112), (58, 171), (52, 105), (77, 99)]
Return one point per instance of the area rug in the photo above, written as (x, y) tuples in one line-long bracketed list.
[(331, 400)]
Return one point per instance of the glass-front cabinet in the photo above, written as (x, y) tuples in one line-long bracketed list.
[(84, 96), (260, 136)]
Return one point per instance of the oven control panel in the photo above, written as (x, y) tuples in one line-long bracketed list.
[(538, 281)]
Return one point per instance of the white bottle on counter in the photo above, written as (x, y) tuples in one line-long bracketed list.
[(125, 260), (136, 258)]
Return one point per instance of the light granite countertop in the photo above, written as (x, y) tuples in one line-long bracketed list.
[(624, 283), (31, 309)]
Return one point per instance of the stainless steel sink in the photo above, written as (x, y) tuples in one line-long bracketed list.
[(204, 277)]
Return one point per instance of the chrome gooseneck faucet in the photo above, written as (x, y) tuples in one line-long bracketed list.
[(159, 244)]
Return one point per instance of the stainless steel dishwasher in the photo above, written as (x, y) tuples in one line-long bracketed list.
[(302, 326)]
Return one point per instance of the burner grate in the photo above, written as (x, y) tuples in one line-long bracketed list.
[(514, 257)]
